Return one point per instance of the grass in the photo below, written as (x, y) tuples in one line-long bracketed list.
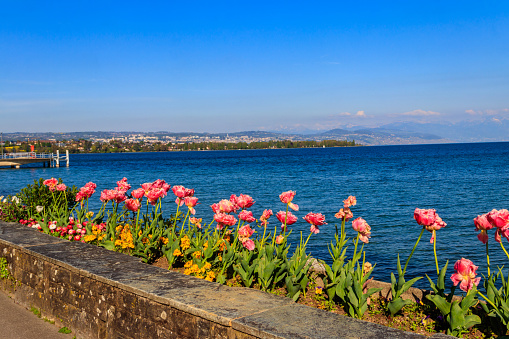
[(64, 330)]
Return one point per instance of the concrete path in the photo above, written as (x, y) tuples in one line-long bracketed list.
[(16, 322)]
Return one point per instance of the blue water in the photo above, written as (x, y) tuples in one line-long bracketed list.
[(459, 180)]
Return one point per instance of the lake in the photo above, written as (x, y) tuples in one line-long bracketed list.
[(460, 181)]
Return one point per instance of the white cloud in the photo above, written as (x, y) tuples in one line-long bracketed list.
[(420, 113), (359, 114), (488, 112)]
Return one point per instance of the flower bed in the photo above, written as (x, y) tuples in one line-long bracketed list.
[(229, 250)]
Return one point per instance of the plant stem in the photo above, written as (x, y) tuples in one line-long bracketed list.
[(413, 250), (487, 300), (488, 258), (502, 245), (435, 250)]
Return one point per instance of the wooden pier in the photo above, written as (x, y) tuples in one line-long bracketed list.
[(15, 160)]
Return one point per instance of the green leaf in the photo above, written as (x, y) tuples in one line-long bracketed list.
[(400, 271), (471, 320), (395, 305), (457, 318), (407, 285), (443, 306)]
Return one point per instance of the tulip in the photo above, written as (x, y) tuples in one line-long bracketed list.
[(242, 201), (133, 204), (51, 183), (350, 201), (482, 224), (465, 275), (287, 197), (344, 213), (315, 219), (363, 229), (61, 187), (246, 216), (499, 219), (286, 218), (191, 202), (138, 193)]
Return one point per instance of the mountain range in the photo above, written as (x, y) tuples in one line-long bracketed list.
[(488, 130)]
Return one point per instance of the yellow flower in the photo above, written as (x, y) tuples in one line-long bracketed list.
[(188, 264), (187, 271), (150, 236), (185, 242), (197, 254), (140, 233), (89, 214), (118, 228), (210, 276), (207, 266), (194, 269), (164, 240), (220, 258), (89, 238), (205, 245), (177, 253)]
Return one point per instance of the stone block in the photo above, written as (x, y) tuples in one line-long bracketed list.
[(158, 313), (183, 324)]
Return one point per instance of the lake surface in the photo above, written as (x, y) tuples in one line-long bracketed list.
[(459, 180)]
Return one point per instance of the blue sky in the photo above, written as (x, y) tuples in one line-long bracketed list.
[(232, 66)]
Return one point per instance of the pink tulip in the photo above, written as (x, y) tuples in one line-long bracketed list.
[(499, 219), (465, 275), (138, 193), (224, 206), (245, 231), (182, 192), (290, 218), (51, 183), (482, 224), (350, 201), (287, 197), (249, 244), (154, 194), (133, 204), (224, 219), (361, 226), (315, 219), (246, 216), (265, 217), (191, 202), (279, 239), (244, 201), (86, 191), (344, 214), (501, 232), (158, 183), (146, 186), (91, 185), (61, 187), (107, 195), (425, 217), (122, 185), (430, 220)]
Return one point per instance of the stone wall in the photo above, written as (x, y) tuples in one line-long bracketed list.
[(103, 294)]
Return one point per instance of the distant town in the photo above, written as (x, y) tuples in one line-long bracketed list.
[(113, 142)]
